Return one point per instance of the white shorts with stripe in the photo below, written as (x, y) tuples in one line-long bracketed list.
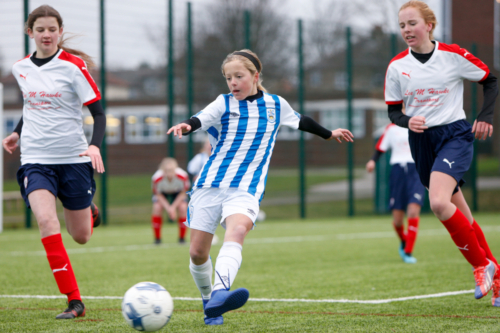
[(210, 206)]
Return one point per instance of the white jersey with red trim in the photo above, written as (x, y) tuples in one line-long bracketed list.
[(395, 138), (179, 183), (53, 95), (434, 89)]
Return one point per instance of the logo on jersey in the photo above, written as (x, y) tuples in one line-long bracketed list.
[(26, 182), (23, 76), (234, 114), (84, 68), (466, 53), (271, 115), (407, 74), (449, 163)]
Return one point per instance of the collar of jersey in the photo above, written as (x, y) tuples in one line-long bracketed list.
[(431, 59), (47, 64)]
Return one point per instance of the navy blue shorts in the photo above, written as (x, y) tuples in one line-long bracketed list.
[(73, 184), (169, 196), (405, 186), (447, 149)]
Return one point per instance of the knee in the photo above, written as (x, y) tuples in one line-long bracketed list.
[(46, 222), (81, 239), (198, 256), (438, 206)]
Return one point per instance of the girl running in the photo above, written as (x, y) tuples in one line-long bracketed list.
[(56, 160), (406, 190), (428, 78), (244, 125)]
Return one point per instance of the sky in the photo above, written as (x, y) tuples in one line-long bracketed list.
[(132, 29)]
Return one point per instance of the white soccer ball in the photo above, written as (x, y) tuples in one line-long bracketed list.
[(261, 216), (147, 306)]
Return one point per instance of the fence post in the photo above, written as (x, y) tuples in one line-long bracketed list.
[(350, 146), (104, 148), (189, 76), (27, 214), (473, 167), (302, 157), (170, 78)]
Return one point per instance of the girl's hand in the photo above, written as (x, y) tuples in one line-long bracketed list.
[(179, 129), (417, 124), (95, 157), (10, 142), (342, 134), (370, 166), (481, 129)]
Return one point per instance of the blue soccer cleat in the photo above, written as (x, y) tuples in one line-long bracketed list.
[(484, 279), (223, 301), (402, 250), (409, 259), (212, 321)]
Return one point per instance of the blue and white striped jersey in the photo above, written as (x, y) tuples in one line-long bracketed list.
[(242, 135)]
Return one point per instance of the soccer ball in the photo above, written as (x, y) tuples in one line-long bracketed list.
[(147, 306)]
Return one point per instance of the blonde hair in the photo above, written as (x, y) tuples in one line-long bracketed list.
[(248, 65), (48, 11), (425, 11), (167, 161)]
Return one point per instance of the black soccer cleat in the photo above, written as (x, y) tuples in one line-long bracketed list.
[(157, 241), (75, 309), (96, 216)]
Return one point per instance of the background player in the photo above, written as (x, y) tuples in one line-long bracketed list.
[(169, 184), (428, 78), (244, 124), (56, 160), (194, 166), (407, 192)]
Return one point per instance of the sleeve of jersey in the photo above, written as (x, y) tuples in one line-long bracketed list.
[(383, 142), (85, 86), (392, 89), (471, 68), (212, 114), (288, 117)]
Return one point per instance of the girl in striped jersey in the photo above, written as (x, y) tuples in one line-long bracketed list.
[(428, 78), (242, 128), (56, 160)]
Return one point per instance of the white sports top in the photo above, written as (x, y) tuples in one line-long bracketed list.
[(53, 95), (179, 183), (395, 138), (243, 135), (434, 89)]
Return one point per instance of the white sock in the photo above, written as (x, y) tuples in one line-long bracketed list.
[(202, 275), (227, 265)]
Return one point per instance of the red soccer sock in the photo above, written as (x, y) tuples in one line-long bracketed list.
[(182, 227), (156, 223), (411, 235), (400, 231), (465, 238), (482, 242), (91, 222), (61, 266)]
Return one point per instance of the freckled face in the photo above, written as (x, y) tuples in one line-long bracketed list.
[(240, 80), (46, 33), (413, 28)]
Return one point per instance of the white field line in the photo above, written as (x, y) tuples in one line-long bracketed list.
[(251, 241), (291, 300)]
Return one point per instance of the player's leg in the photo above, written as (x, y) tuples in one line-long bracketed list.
[(459, 201), (398, 202), (440, 193), (78, 225), (43, 205), (415, 195), (181, 214), (413, 212), (156, 219), (203, 215), (398, 216)]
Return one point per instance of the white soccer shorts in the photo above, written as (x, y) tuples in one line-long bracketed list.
[(210, 206)]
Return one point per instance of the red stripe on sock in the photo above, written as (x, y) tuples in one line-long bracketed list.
[(156, 223), (465, 238), (411, 235), (182, 227), (482, 242), (61, 266), (400, 231)]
